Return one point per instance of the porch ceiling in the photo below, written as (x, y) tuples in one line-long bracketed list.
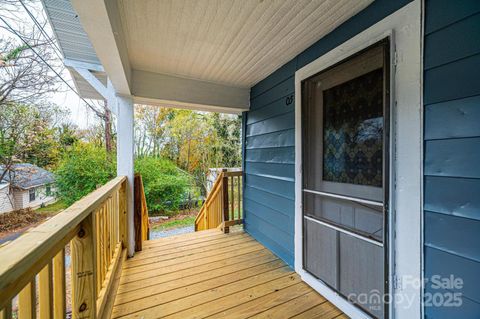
[(203, 54), (237, 42)]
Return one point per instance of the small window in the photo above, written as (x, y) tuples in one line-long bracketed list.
[(48, 191), (31, 193)]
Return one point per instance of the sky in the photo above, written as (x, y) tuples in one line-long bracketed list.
[(77, 112)]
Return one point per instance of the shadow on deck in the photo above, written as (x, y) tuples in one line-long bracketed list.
[(215, 275)]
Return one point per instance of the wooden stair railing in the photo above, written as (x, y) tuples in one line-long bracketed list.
[(223, 207), (140, 213), (96, 229)]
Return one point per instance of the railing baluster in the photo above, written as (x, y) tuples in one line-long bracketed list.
[(27, 301), (59, 286), (232, 197), (123, 214), (84, 294), (6, 313), (104, 244), (98, 251), (108, 254), (45, 295), (225, 202), (110, 229), (239, 185)]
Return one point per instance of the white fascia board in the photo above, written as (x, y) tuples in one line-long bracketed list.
[(101, 22), (173, 91), (84, 65)]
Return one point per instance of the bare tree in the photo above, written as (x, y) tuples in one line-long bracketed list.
[(25, 76), (29, 71)]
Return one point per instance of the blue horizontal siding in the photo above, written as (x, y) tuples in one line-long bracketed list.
[(457, 41), (283, 138), (276, 202), (266, 214), (452, 81), (466, 268), (269, 140), (459, 241), (273, 109), (279, 155), (276, 77), (278, 123), (452, 150), (469, 309), (453, 196), (262, 235), (453, 157), (453, 119), (281, 238), (279, 91), (278, 187), (442, 13), (272, 170)]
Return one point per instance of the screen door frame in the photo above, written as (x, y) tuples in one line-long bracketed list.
[(404, 28), (353, 67)]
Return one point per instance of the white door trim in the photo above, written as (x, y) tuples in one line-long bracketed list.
[(406, 151)]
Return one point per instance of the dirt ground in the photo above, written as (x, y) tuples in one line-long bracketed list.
[(159, 220), (15, 223), (19, 219)]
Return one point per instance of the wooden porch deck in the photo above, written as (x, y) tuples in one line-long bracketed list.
[(214, 275)]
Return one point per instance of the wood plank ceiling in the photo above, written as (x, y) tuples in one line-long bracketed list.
[(232, 42)]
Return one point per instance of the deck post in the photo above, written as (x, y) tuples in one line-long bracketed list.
[(125, 160)]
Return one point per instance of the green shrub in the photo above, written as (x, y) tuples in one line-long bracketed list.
[(166, 186), (81, 170)]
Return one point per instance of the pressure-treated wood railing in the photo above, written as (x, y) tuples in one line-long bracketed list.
[(140, 214), (95, 228), (223, 207)]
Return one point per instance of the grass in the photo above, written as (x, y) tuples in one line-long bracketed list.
[(187, 221), (52, 208)]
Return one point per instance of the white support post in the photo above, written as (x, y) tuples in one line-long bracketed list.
[(124, 107)]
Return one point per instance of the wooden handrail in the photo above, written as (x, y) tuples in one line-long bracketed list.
[(95, 227), (223, 206)]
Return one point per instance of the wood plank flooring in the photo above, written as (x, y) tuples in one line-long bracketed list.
[(209, 274)]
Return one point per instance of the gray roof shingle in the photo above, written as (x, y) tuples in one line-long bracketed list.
[(27, 175)]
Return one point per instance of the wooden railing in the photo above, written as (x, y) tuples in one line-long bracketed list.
[(223, 207), (140, 213), (95, 230)]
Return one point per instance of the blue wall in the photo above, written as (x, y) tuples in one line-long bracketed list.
[(452, 149), (269, 153)]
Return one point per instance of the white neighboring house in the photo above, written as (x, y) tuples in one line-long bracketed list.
[(26, 185), (6, 198)]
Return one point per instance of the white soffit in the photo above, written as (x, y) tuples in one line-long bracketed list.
[(73, 42), (230, 42), (71, 36)]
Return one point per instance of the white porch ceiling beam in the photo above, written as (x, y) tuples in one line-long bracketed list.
[(101, 22), (173, 91)]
